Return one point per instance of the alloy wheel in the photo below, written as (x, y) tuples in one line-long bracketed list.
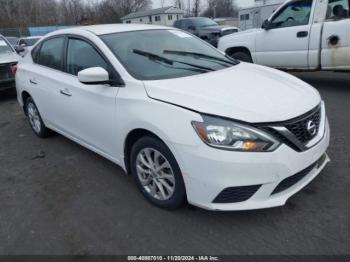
[(155, 174), (34, 117)]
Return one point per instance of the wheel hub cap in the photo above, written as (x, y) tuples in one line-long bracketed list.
[(34, 117), (155, 174)]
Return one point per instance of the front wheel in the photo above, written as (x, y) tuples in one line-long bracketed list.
[(157, 173), (242, 56)]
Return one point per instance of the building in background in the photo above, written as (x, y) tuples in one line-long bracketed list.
[(160, 16), (253, 17)]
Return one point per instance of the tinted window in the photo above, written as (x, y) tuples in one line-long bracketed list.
[(338, 9), (177, 24), (81, 55), (203, 22), (51, 53), (35, 53), (294, 14)]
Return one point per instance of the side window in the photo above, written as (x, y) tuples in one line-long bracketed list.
[(338, 9), (188, 25), (179, 24), (81, 55), (296, 13), (35, 53), (51, 53)]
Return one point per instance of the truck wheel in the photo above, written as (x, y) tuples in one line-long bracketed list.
[(242, 56)]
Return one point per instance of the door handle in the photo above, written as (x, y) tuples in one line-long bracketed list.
[(65, 92), (302, 34), (33, 82)]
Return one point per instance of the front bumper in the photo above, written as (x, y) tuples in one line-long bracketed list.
[(208, 172)]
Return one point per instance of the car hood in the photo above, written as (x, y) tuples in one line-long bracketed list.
[(243, 92), (8, 57), (212, 28)]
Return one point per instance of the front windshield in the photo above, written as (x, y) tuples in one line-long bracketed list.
[(4, 46), (164, 54), (204, 22)]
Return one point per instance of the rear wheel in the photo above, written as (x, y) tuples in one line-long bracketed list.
[(35, 120), (157, 173), (242, 56)]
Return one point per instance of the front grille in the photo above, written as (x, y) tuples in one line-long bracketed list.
[(300, 127), (216, 34), (236, 194), (281, 138), (5, 72), (293, 180), (296, 133)]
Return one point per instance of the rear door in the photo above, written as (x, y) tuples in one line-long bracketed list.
[(44, 79), (286, 44), (335, 52)]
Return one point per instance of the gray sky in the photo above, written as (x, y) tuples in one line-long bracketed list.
[(241, 3)]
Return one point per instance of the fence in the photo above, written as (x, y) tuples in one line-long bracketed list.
[(31, 31)]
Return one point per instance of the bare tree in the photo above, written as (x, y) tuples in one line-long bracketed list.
[(220, 8), (25, 13), (196, 7)]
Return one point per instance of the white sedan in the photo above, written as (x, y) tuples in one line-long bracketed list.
[(189, 123)]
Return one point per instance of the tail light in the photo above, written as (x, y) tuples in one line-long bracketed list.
[(14, 70)]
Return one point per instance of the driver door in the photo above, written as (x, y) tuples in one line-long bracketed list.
[(286, 43)]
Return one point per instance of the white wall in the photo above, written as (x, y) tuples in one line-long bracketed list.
[(164, 19)]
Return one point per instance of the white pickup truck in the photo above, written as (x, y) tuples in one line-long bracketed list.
[(300, 35)]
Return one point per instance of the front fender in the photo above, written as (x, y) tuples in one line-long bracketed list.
[(239, 40)]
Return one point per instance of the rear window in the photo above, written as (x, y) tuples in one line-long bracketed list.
[(4, 46)]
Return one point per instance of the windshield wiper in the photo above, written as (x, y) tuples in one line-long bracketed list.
[(194, 54), (168, 61)]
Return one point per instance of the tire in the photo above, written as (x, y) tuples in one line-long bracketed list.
[(242, 56), (148, 154), (35, 120)]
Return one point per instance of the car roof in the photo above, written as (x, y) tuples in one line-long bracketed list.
[(195, 18), (110, 29)]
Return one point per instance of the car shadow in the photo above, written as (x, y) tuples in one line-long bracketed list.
[(9, 94)]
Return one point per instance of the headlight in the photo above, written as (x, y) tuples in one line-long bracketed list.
[(228, 135)]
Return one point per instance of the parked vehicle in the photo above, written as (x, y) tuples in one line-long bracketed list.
[(8, 60), (188, 122), (12, 40), (28, 41), (25, 43), (205, 28), (300, 35)]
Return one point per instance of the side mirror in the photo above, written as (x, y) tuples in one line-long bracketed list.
[(94, 76), (19, 49), (267, 25)]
